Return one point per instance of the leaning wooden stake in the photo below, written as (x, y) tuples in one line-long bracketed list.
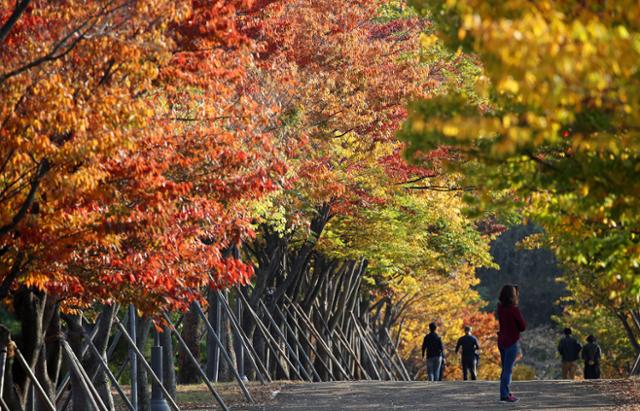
[(35, 381), (223, 350), (286, 343), (311, 346), (146, 365), (343, 341), (226, 355), (106, 369), (366, 347), (379, 354), (253, 355), (65, 380), (301, 348), (397, 355), (389, 365), (83, 378), (319, 338), (196, 363), (272, 344)]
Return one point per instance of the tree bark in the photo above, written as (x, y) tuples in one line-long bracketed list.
[(10, 395), (142, 332), (168, 360), (187, 372), (79, 398), (92, 364)]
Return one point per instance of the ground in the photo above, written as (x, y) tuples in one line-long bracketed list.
[(415, 396)]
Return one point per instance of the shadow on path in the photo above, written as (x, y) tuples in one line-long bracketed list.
[(454, 395)]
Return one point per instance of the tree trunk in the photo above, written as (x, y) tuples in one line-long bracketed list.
[(168, 360), (187, 372), (142, 332), (9, 395), (34, 312), (92, 364), (226, 374), (79, 398), (627, 327)]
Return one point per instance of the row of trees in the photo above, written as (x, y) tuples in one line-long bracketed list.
[(150, 150), (549, 128)]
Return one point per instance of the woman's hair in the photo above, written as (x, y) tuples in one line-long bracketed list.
[(591, 338), (509, 295)]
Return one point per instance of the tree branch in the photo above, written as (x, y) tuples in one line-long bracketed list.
[(43, 168), (11, 276), (19, 9)]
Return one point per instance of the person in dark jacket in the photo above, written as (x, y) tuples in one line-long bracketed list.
[(511, 325), (569, 349), (591, 355), (470, 347), (432, 346)]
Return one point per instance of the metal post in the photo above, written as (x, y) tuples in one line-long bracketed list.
[(132, 357), (158, 403)]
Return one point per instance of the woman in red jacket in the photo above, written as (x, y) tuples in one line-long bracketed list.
[(511, 324)]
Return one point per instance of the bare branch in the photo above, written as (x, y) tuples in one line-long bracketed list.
[(21, 6)]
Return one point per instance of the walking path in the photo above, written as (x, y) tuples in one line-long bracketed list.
[(442, 396)]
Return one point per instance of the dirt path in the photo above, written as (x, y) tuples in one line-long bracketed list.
[(444, 396)]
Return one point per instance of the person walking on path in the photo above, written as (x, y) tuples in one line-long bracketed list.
[(511, 325), (591, 355), (470, 347), (569, 349), (432, 346)]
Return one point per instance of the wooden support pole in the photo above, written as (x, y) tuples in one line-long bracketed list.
[(78, 370), (366, 347), (35, 381), (311, 346), (377, 354), (394, 351), (226, 355), (106, 369), (286, 343), (253, 355), (342, 339), (146, 365), (392, 368), (301, 348), (319, 338), (196, 363), (272, 344), (65, 380)]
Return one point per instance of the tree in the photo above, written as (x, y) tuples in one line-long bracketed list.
[(548, 127), (109, 194)]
